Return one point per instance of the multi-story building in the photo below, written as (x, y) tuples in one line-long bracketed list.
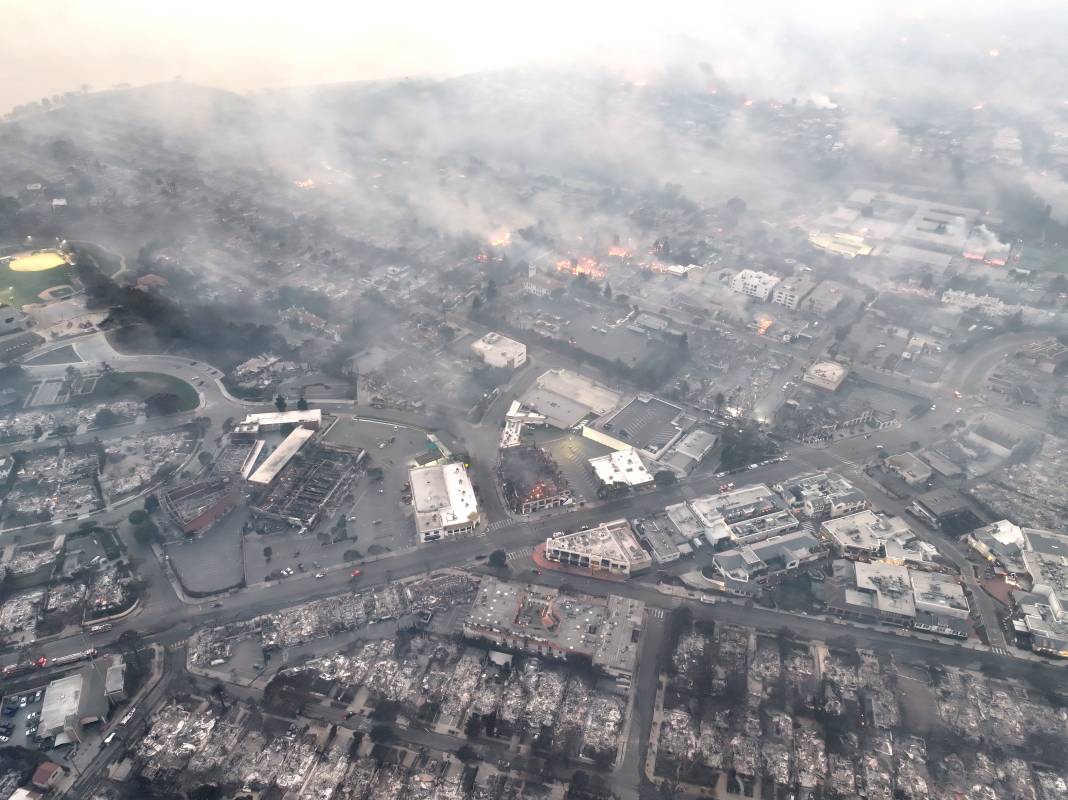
[(822, 495), (444, 502), (500, 351), (792, 291), (753, 283), (610, 547), (827, 375)]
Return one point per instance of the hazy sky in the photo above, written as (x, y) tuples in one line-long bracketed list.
[(52, 46)]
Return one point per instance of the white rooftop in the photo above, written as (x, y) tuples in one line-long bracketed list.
[(442, 495), (621, 466), (312, 415), (282, 455)]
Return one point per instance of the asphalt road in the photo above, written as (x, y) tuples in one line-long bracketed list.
[(165, 620)]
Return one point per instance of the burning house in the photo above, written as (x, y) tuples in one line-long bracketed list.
[(531, 480)]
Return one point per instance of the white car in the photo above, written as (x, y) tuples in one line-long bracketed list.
[(320, 574)]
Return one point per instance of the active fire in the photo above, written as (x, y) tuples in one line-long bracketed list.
[(307, 183), (618, 252), (581, 266), (501, 238)]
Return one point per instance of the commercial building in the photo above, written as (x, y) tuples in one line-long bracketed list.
[(792, 291), (1037, 559), (265, 473), (939, 507), (873, 590), (825, 298), (744, 515), (827, 375), (647, 423), (938, 595), (822, 495), (196, 506), (515, 424), (753, 283), (769, 557), (72, 702), (922, 599), (690, 450), (540, 621), (444, 501), (864, 534), (566, 398), (531, 480), (846, 245), (311, 418), (658, 542), (621, 468), (610, 547), (499, 351), (911, 469)]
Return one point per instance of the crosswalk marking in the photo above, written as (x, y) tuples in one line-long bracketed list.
[(496, 526), (1001, 651), (520, 553), (656, 613)]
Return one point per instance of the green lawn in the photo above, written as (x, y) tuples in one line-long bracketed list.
[(19, 288), (145, 385)]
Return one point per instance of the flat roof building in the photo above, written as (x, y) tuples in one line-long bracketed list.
[(744, 515), (939, 506), (541, 621), (825, 298), (690, 450), (938, 594), (72, 702), (827, 375), (911, 469), (610, 547), (792, 291), (311, 418), (500, 351), (621, 468), (285, 452), (871, 590), (768, 557), (444, 501), (567, 398), (822, 495), (863, 534), (647, 423), (754, 283)]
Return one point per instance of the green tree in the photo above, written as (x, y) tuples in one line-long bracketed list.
[(267, 553), (280, 403), (138, 517), (302, 403), (498, 558), (146, 534), (665, 477), (105, 418)]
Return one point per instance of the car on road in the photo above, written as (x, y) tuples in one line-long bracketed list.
[(216, 604), (287, 571), (110, 738), (957, 411), (320, 574), (4, 738), (355, 573)]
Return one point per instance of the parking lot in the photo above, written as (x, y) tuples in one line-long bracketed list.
[(389, 448), (21, 712)]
